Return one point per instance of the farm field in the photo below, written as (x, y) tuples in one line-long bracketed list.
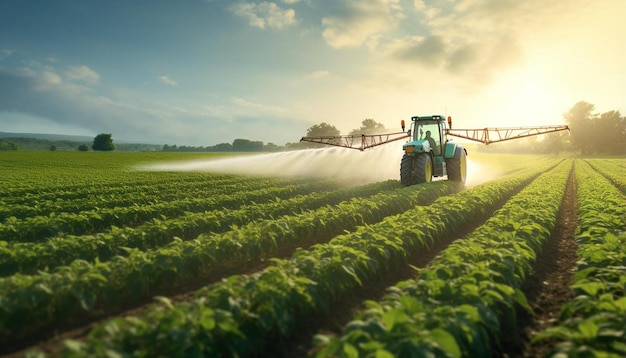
[(157, 254)]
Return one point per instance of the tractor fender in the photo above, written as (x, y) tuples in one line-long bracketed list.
[(453, 150)]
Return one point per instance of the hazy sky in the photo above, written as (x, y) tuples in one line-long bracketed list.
[(206, 72)]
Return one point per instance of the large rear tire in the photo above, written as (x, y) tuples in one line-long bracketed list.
[(416, 169), (457, 166)]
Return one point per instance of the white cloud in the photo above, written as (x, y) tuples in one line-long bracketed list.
[(320, 74), (360, 22), (50, 78), (6, 53), (265, 14), (168, 81), (240, 102), (419, 5), (82, 74), (473, 39)]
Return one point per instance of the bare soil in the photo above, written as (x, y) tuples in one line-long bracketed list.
[(547, 287)]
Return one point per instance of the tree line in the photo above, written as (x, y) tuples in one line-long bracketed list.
[(238, 145), (590, 134)]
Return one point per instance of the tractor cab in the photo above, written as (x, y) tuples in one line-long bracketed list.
[(428, 134)]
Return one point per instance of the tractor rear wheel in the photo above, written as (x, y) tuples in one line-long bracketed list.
[(416, 169), (457, 166)]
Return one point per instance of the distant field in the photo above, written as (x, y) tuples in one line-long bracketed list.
[(309, 253)]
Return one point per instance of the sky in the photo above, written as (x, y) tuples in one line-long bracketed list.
[(204, 72)]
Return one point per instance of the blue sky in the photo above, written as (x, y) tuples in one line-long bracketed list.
[(207, 72)]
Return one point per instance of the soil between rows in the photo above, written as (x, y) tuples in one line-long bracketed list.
[(547, 286), (547, 289)]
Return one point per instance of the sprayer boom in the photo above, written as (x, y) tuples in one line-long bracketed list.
[(357, 141), (429, 152), (494, 135)]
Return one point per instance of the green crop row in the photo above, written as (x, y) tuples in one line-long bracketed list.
[(95, 186), (593, 324), (247, 314), (150, 192), (456, 306), (28, 257), (39, 228), (614, 169), (29, 173), (82, 289)]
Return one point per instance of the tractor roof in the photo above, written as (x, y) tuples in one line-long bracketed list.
[(435, 117)]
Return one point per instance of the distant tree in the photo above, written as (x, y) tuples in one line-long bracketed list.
[(322, 129), (103, 142), (223, 147), (53, 148), (4, 146), (579, 118), (245, 145), (295, 146), (611, 128), (554, 143), (596, 134), (83, 148), (317, 130), (271, 147), (369, 126)]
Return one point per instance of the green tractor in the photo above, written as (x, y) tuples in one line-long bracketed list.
[(429, 153)]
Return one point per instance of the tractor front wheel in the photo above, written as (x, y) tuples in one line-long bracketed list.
[(406, 170), (416, 169), (423, 168)]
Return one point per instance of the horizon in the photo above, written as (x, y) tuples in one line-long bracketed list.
[(208, 72)]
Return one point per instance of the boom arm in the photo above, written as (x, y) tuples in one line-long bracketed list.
[(484, 135), (358, 141), (494, 135)]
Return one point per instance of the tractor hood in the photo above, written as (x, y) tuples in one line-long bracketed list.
[(417, 146)]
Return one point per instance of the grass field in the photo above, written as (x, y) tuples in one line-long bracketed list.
[(309, 253)]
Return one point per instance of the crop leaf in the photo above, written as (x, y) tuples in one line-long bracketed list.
[(520, 298), (588, 329), (446, 341), (350, 270), (393, 317), (350, 351), (590, 288), (382, 353)]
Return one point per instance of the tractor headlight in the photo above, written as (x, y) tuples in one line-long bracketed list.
[(409, 149)]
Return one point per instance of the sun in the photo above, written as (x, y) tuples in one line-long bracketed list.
[(526, 97)]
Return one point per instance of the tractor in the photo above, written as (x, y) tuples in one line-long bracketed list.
[(429, 151), (430, 154)]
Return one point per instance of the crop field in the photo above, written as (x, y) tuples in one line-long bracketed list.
[(119, 254)]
